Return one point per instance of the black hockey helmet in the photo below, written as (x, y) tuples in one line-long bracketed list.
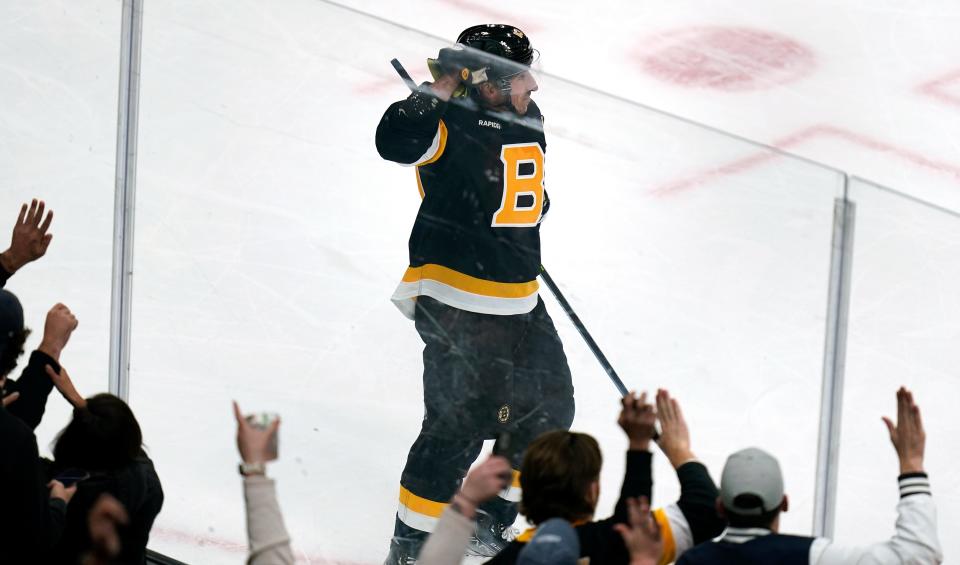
[(504, 41)]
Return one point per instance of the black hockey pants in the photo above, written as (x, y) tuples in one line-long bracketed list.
[(483, 374)]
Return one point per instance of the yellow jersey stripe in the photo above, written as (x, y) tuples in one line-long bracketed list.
[(421, 505), (419, 183), (669, 554), (470, 284), (513, 492), (527, 535)]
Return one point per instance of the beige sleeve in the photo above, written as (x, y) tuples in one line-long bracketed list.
[(446, 544), (267, 536)]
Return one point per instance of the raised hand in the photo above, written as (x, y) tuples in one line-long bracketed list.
[(465, 65), (642, 537), (254, 443), (638, 420), (487, 480), (674, 438), (907, 434), (30, 239), (454, 69), (57, 330)]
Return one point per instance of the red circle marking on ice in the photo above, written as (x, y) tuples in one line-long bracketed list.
[(725, 58)]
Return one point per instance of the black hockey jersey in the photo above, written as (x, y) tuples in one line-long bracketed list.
[(475, 244)]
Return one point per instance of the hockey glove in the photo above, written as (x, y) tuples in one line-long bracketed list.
[(456, 61)]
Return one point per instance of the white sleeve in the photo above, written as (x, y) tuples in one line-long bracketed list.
[(914, 543), (446, 544), (267, 536), (677, 536)]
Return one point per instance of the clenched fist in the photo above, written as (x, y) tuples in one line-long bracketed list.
[(56, 332)]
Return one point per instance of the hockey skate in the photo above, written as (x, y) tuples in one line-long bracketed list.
[(404, 551), (490, 536)]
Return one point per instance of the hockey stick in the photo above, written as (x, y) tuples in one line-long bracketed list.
[(617, 382), (588, 338), (583, 331), (404, 75)]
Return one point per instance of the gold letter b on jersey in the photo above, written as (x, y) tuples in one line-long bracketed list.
[(511, 214)]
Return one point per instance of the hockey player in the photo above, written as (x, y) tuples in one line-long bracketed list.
[(493, 362)]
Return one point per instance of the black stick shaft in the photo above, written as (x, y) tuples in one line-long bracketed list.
[(583, 332), (404, 75)]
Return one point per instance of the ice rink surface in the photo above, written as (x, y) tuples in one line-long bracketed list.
[(270, 235)]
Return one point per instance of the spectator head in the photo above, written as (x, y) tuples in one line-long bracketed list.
[(102, 436), (751, 490), (560, 477), (12, 333), (555, 543)]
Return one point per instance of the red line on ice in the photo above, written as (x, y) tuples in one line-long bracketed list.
[(915, 158), (934, 88), (755, 160)]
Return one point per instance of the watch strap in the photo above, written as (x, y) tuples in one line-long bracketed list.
[(247, 469)]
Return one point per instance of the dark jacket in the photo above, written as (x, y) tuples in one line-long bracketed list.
[(603, 545), (780, 549), (138, 488), (598, 540), (30, 521), (34, 386)]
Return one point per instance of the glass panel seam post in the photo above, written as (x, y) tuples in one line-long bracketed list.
[(834, 363), (124, 191)]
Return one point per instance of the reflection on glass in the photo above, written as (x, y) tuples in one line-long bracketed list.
[(58, 129), (903, 330), (271, 235)]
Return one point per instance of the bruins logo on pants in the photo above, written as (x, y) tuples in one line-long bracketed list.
[(504, 414)]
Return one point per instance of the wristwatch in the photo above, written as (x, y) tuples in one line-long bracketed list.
[(247, 469)]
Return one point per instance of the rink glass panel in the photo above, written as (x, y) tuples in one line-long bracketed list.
[(904, 330), (700, 264), (58, 132), (270, 236)]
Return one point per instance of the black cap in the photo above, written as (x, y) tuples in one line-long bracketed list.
[(11, 317)]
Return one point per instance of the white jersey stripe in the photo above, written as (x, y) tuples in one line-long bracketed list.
[(416, 520), (406, 292), (511, 494)]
